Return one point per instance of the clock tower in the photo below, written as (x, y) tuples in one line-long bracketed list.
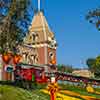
[(39, 45)]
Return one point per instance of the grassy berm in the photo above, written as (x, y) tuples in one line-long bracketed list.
[(15, 93)]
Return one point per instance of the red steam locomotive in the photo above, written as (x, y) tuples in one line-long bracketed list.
[(27, 74)]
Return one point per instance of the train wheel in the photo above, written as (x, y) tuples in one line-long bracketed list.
[(26, 85), (30, 85), (23, 84)]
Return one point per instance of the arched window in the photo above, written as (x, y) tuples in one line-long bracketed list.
[(24, 55), (35, 58), (34, 36)]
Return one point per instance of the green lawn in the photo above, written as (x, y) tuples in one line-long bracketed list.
[(15, 93)]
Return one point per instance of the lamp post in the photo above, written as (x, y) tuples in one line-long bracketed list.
[(52, 91), (53, 87)]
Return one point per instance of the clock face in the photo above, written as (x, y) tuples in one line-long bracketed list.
[(51, 55), (53, 43)]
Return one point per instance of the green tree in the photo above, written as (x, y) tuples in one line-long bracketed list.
[(65, 68), (59, 67), (93, 16), (91, 63), (9, 29), (94, 66), (69, 68), (97, 72)]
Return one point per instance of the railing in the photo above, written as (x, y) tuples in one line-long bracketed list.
[(70, 77)]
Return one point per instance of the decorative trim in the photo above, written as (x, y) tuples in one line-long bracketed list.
[(45, 37), (39, 46)]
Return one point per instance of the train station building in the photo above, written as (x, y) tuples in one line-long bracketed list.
[(39, 45)]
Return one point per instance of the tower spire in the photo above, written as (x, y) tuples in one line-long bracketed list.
[(39, 5)]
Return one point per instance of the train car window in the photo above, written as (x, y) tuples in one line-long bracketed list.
[(38, 73)]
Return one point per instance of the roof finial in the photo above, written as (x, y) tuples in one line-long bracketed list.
[(39, 3)]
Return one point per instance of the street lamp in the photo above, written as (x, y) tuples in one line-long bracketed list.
[(52, 76)]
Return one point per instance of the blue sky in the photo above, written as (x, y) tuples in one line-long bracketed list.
[(77, 39)]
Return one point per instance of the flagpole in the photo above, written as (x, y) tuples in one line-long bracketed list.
[(38, 5)]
